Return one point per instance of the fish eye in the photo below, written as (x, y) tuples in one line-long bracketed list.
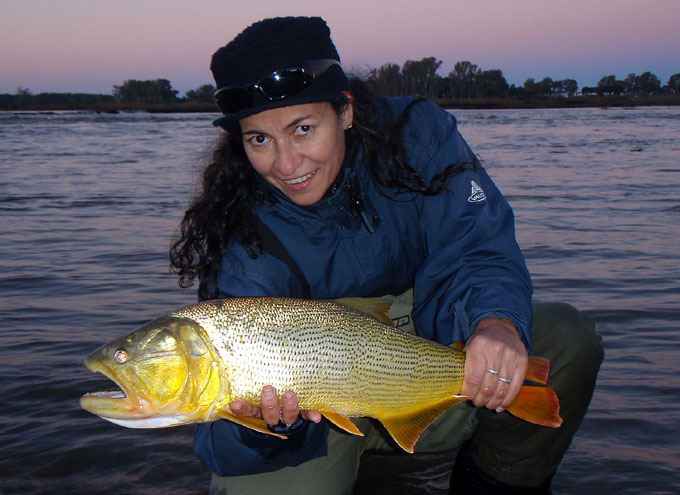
[(121, 356)]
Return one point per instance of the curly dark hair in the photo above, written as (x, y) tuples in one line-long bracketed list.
[(221, 212)]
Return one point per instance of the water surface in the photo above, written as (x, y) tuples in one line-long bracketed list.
[(88, 207)]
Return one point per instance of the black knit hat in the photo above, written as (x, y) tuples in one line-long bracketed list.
[(276, 44)]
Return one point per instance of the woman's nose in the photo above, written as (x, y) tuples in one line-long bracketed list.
[(288, 159)]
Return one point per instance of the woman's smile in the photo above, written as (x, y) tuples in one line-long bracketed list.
[(300, 180)]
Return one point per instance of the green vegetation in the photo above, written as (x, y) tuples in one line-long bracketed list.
[(24, 100), (133, 91), (466, 86)]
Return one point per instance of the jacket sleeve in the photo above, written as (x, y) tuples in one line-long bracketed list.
[(474, 268), (229, 449)]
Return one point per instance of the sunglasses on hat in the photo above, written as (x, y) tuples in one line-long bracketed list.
[(280, 84)]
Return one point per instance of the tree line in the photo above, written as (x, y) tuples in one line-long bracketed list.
[(420, 78), (414, 78), (468, 81), (23, 99)]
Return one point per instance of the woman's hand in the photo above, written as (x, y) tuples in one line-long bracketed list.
[(495, 364), (271, 411)]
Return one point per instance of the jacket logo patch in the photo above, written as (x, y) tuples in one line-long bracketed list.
[(477, 195)]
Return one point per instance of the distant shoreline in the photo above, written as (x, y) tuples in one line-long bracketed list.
[(465, 104), (563, 102)]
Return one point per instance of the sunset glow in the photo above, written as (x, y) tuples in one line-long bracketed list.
[(89, 46)]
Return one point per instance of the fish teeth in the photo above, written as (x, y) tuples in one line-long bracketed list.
[(119, 394), (299, 179)]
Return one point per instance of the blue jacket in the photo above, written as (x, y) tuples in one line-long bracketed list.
[(457, 249)]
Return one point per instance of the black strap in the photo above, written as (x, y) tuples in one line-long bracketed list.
[(272, 245)]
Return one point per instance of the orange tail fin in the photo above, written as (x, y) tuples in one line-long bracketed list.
[(538, 370), (538, 405)]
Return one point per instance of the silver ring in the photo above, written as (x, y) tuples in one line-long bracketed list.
[(504, 380), (493, 372)]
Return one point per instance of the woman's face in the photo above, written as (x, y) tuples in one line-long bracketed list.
[(298, 149)]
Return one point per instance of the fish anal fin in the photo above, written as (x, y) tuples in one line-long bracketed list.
[(538, 370), (249, 422), (538, 405), (377, 307), (407, 428), (342, 422)]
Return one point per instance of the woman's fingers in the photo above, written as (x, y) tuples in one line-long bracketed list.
[(488, 388), (503, 384), (289, 408), (272, 411), (311, 415), (242, 408), (495, 365)]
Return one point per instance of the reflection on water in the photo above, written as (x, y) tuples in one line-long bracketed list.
[(89, 204)]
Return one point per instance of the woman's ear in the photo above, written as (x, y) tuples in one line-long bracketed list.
[(348, 115)]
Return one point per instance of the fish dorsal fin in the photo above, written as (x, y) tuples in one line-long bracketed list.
[(249, 422), (457, 346), (377, 307), (342, 422), (407, 428)]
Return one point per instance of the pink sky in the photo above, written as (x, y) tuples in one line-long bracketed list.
[(90, 45)]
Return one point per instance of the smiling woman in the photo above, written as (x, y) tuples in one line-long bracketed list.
[(320, 189)]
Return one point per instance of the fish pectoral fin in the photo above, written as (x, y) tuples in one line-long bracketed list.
[(342, 422), (249, 422), (407, 428), (457, 346), (377, 307)]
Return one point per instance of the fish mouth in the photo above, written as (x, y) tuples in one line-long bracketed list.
[(119, 394), (123, 403)]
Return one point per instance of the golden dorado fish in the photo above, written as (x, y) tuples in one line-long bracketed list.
[(187, 366)]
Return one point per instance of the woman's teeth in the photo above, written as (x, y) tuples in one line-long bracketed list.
[(299, 179)]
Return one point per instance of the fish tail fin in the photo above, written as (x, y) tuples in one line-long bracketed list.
[(538, 405), (538, 370)]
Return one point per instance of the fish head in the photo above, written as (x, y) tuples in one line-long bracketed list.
[(168, 373)]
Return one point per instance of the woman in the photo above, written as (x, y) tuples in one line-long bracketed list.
[(319, 189)]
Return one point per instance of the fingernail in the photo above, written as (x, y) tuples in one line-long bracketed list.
[(499, 409), (268, 393), (288, 398)]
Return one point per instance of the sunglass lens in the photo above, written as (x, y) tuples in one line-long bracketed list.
[(232, 100), (283, 84)]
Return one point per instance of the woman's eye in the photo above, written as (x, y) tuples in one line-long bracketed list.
[(303, 130), (259, 140)]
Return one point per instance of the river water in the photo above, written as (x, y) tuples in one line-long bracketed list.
[(89, 204)]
